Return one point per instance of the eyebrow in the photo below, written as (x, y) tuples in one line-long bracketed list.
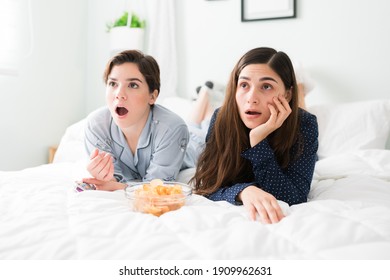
[(260, 80), (129, 79)]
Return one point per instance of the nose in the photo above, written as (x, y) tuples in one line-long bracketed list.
[(252, 97), (121, 93)]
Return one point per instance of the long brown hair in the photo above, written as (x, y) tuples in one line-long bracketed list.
[(221, 163)]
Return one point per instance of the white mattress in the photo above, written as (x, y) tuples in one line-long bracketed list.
[(347, 217)]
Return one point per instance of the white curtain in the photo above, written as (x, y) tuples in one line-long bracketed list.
[(15, 34), (161, 41)]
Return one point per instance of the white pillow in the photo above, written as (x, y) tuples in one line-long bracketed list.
[(71, 147), (353, 126), (178, 105)]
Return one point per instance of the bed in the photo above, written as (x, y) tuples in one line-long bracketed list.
[(347, 215)]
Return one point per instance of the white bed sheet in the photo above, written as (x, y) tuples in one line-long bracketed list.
[(347, 217)]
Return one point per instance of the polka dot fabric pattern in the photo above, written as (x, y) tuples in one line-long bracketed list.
[(291, 184)]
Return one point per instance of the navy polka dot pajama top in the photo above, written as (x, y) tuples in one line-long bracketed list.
[(291, 184)]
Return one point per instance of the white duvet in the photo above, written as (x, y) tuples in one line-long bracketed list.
[(347, 217)]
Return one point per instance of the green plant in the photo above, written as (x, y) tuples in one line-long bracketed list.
[(136, 22)]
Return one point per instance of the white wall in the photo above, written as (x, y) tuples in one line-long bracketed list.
[(48, 94), (344, 45)]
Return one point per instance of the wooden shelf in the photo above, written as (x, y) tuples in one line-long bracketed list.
[(52, 151)]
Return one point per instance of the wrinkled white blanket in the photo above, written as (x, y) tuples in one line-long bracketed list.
[(347, 217)]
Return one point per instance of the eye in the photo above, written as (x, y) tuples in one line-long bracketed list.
[(111, 83), (267, 87), (133, 85), (243, 85)]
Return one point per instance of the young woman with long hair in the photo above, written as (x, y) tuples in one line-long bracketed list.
[(260, 147)]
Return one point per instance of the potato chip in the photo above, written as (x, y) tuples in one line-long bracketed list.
[(156, 182)]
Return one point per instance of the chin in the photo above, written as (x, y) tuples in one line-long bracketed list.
[(118, 122), (252, 125)]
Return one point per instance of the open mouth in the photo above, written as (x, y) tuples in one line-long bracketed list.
[(252, 113), (121, 111)]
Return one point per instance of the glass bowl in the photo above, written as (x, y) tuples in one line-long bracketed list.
[(157, 197)]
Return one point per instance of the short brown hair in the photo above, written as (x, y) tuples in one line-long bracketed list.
[(147, 65)]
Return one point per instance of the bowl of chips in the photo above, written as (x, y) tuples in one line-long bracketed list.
[(157, 197)]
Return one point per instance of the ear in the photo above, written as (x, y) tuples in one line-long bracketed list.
[(153, 97), (288, 94)]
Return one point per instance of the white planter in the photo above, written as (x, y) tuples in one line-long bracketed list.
[(125, 38)]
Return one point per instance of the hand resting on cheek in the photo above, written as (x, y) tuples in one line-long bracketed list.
[(280, 110)]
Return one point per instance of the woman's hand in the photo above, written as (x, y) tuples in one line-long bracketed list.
[(280, 110), (101, 165), (105, 185), (257, 201)]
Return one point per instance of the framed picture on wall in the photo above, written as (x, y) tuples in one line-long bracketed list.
[(267, 9)]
